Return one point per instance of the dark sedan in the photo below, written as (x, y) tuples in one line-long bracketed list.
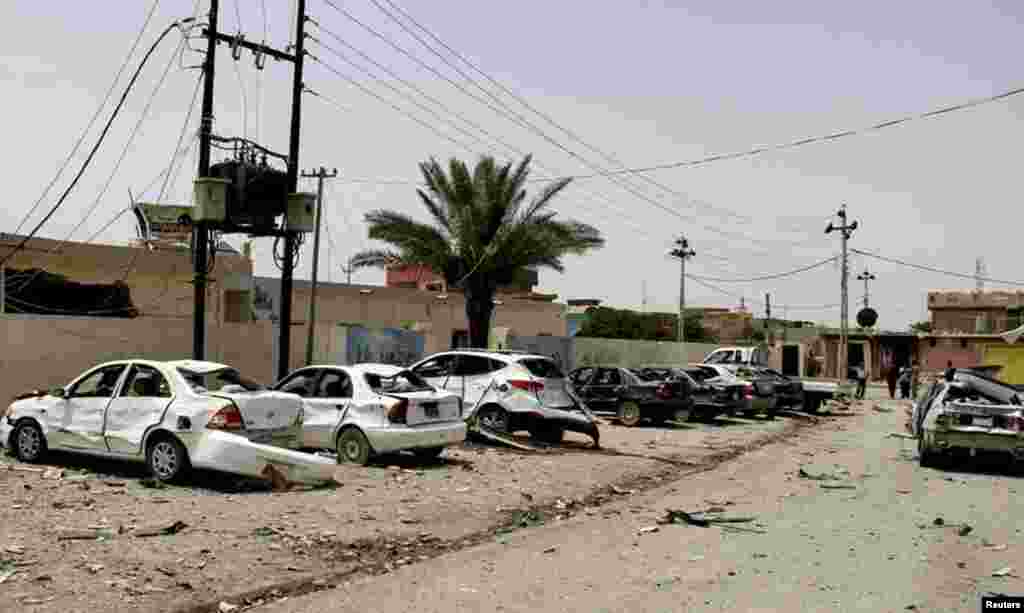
[(789, 392), (709, 400), (617, 390)]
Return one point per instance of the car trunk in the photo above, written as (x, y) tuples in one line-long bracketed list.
[(982, 415), (266, 414), (556, 392), (428, 407)]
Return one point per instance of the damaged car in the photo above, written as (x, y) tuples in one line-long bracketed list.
[(371, 409), (173, 416), (631, 395), (509, 391), (972, 413)]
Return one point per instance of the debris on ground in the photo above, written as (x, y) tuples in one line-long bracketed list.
[(226, 607), (837, 486), (648, 529), (676, 516), (54, 474), (151, 483), (938, 521), (881, 409), (964, 530), (1003, 572), (996, 547), (620, 491), (174, 528)]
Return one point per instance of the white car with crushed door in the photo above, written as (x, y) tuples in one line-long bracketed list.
[(370, 409), (171, 415), (508, 391)]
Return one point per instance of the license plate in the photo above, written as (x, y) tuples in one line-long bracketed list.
[(981, 422), (430, 409)]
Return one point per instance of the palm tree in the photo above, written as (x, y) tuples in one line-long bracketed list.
[(483, 234)]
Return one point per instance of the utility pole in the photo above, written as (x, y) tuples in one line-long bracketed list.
[(200, 231), (768, 316), (866, 277), (683, 252), (348, 271), (320, 175), (291, 238), (845, 230)]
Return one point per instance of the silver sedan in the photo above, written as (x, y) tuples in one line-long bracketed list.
[(370, 409)]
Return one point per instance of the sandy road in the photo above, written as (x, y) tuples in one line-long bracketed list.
[(865, 541)]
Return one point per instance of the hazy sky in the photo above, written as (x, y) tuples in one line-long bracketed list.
[(648, 83)]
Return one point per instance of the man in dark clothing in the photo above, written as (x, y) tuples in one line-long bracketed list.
[(862, 381), (904, 382), (891, 377), (950, 371)]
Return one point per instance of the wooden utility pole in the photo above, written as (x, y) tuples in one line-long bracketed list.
[(845, 230), (320, 175)]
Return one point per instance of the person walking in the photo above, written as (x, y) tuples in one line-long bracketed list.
[(904, 381), (862, 381), (892, 377), (950, 373), (915, 380)]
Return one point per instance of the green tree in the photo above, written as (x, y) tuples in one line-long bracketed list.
[(484, 232)]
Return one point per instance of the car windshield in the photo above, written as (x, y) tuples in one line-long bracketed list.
[(542, 368), (401, 382), (719, 357), (218, 380)]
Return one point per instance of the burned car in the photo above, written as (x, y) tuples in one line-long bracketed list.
[(709, 400), (507, 391), (172, 416), (631, 396), (971, 413)]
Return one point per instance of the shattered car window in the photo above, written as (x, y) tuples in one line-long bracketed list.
[(543, 369), (720, 357), (217, 380), (399, 383)]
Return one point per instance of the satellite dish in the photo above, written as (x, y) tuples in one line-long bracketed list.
[(867, 317)]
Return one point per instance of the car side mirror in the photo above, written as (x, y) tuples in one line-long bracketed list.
[(58, 392)]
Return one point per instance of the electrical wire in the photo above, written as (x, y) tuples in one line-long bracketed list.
[(821, 307), (519, 120), (88, 127), (770, 277), (99, 142), (940, 271)]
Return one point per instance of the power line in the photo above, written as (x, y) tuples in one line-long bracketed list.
[(972, 277), (88, 127), (519, 120), (770, 277), (821, 307), (99, 142)]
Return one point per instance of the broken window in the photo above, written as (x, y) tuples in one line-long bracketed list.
[(145, 382), (334, 384)]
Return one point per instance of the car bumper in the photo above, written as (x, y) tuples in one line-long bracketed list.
[(982, 439), (388, 440), (226, 452), (5, 434)]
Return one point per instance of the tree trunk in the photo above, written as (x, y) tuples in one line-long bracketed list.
[(479, 306)]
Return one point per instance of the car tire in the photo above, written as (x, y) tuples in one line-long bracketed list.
[(167, 459), (629, 413), (353, 448), (925, 456), (28, 442), (811, 404), (427, 453), (494, 418), (548, 434)]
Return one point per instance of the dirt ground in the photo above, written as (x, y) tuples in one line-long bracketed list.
[(842, 518), (67, 542)]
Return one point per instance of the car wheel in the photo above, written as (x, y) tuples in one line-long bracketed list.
[(548, 434), (811, 404), (28, 442), (167, 459), (353, 448), (494, 418), (925, 456), (427, 453), (629, 413)]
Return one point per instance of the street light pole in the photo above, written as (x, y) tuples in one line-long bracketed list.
[(866, 277), (846, 230), (320, 175), (683, 252)]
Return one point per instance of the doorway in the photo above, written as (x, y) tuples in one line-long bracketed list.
[(791, 360)]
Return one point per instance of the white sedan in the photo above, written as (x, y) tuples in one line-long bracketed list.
[(170, 415), (369, 409)]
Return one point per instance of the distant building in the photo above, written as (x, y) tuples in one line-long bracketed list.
[(974, 311), (576, 313)]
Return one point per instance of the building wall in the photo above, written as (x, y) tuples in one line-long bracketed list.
[(47, 351), (963, 354), (160, 280), (587, 351)]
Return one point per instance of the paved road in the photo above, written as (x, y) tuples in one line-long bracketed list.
[(870, 545)]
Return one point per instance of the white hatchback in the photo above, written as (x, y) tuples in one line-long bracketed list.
[(506, 391), (371, 409)]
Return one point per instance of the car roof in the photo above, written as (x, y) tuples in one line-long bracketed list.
[(508, 355), (199, 367)]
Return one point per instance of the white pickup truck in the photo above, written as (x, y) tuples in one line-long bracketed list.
[(814, 392)]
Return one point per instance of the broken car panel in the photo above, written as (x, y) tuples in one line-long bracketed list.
[(170, 415), (612, 389)]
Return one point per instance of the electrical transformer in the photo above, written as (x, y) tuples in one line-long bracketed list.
[(256, 196), (301, 215)]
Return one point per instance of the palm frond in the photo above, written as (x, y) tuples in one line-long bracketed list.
[(375, 258)]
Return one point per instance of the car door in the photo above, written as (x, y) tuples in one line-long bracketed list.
[(302, 383), (580, 380), (327, 408), (604, 389), (473, 375), (77, 422), (140, 403)]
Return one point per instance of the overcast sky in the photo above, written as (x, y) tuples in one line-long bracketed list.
[(651, 84)]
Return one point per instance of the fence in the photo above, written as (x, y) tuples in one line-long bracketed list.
[(572, 352)]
